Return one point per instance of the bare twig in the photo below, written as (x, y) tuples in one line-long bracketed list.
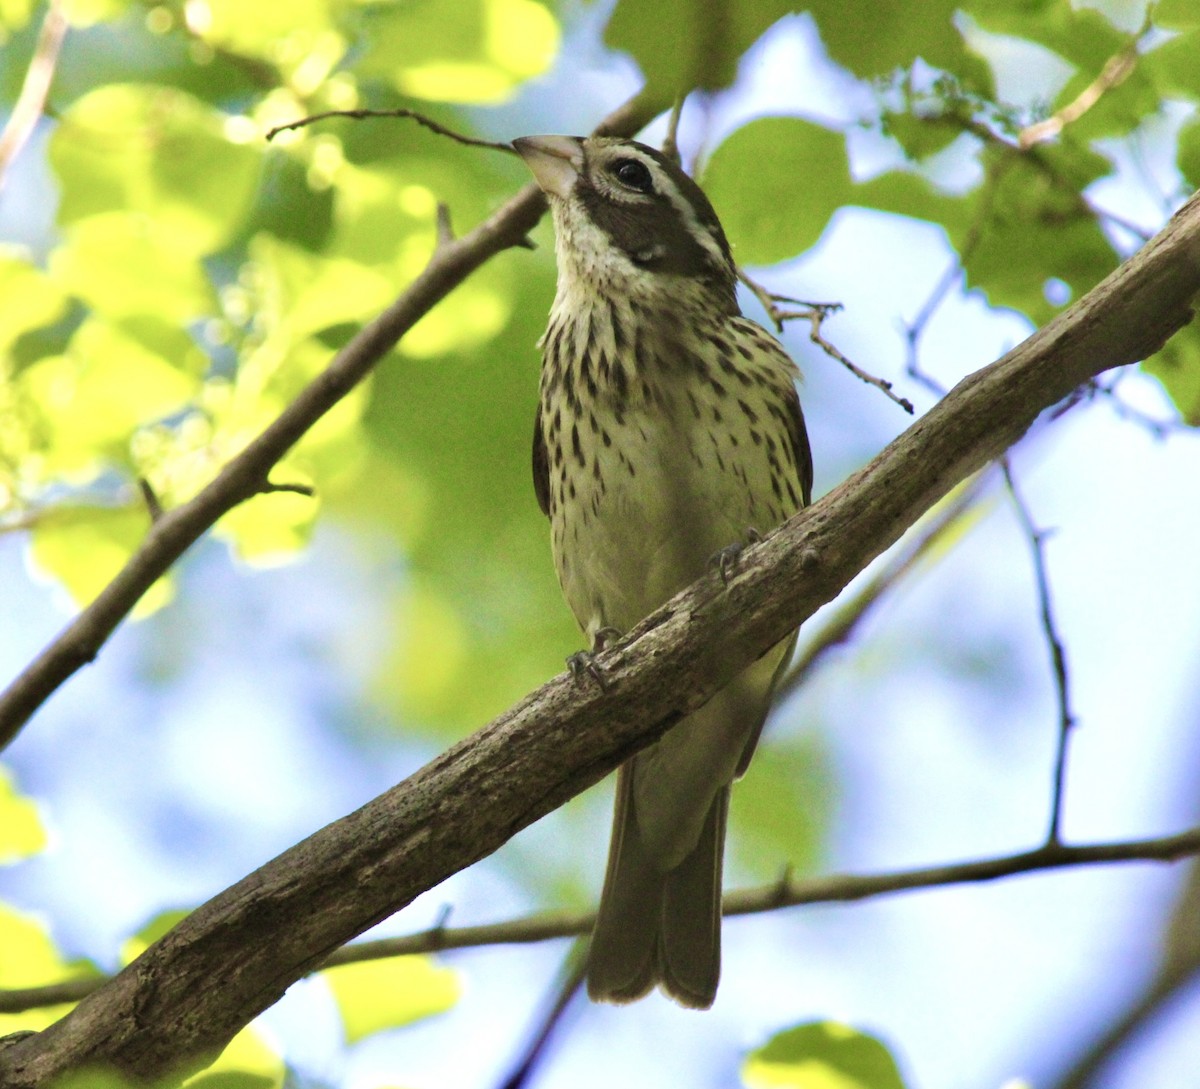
[(670, 144), (815, 313), (38, 78), (914, 330), (245, 475), (297, 489), (1158, 427), (150, 497), (419, 118), (1117, 69), (445, 229), (786, 891), (1058, 654)]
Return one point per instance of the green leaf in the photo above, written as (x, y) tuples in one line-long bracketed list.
[(775, 183), (14, 14), (1172, 65), (275, 32), (84, 547), (380, 994), (681, 44), (1177, 14), (113, 380), (1036, 227), (907, 194), (28, 958), (21, 831), (123, 263), (246, 1063), (29, 299), (1177, 367), (822, 1055), (1078, 34), (782, 808), (874, 39), (480, 54), (159, 152), (1187, 154)]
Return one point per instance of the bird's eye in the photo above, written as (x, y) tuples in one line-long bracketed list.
[(634, 174)]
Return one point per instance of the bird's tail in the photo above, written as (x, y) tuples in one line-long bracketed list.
[(657, 927)]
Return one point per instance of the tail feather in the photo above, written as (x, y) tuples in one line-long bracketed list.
[(655, 927)]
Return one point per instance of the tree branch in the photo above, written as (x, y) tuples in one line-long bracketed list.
[(174, 1008), (246, 474), (788, 892)]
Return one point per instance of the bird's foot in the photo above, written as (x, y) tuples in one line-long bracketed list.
[(725, 561), (583, 662)]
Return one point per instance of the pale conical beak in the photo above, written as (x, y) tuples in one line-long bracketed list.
[(554, 160)]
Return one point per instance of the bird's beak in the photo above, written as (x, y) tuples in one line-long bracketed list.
[(554, 160)]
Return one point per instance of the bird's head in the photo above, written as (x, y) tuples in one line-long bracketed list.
[(628, 219)]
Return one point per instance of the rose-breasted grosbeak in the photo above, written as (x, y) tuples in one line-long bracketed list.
[(668, 427)]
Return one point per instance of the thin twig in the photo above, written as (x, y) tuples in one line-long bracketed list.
[(1158, 427), (1117, 69), (38, 78), (419, 118), (670, 144), (298, 489), (575, 968), (915, 330), (445, 229), (150, 497), (1058, 654), (840, 628), (786, 891), (815, 313)]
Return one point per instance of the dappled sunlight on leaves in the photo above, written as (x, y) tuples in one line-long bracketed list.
[(28, 958), (821, 1055), (21, 831), (158, 152), (375, 995)]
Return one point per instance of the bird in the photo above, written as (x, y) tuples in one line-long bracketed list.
[(668, 432)]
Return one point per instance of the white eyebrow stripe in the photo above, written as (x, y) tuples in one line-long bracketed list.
[(695, 228)]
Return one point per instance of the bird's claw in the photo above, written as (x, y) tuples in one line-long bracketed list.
[(583, 663), (725, 561)]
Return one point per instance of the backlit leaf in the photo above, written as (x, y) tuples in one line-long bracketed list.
[(381, 994), (775, 183), (28, 958), (21, 831), (28, 298), (1177, 367), (821, 1055), (123, 263), (681, 44), (159, 152), (479, 55), (84, 548)]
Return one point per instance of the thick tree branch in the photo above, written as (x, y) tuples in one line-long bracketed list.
[(177, 1005), (246, 474)]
